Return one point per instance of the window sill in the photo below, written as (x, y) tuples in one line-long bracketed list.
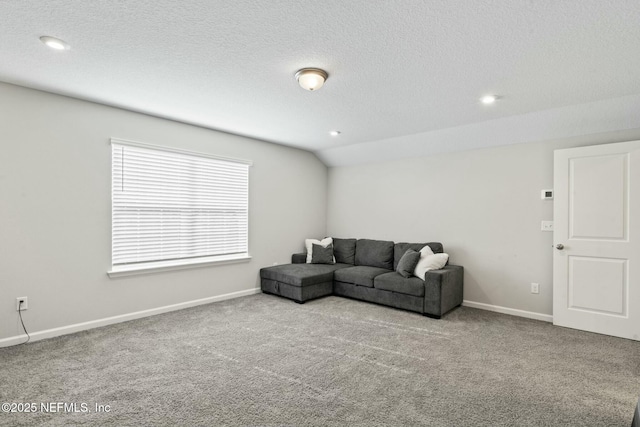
[(160, 266)]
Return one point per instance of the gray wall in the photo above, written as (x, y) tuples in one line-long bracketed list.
[(55, 210), (483, 205)]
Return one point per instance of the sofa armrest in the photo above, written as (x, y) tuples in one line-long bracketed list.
[(299, 258), (443, 289)]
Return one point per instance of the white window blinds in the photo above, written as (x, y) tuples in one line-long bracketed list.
[(175, 205)]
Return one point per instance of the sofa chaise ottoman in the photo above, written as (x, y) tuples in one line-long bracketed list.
[(365, 269), (299, 282)]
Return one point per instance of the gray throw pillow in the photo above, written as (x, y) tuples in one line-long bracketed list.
[(407, 263), (322, 255)]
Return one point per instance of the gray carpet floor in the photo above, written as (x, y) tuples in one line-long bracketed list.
[(266, 361)]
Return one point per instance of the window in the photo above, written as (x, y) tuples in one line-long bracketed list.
[(175, 208)]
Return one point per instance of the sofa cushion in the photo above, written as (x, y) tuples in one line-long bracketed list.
[(322, 255), (407, 263), (301, 274), (344, 250), (375, 253), (360, 275), (396, 283), (400, 248)]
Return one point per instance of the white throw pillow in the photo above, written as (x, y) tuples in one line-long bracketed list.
[(308, 243), (429, 261), (424, 252)]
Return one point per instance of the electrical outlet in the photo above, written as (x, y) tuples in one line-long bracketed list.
[(275, 263), (535, 288), (25, 303)]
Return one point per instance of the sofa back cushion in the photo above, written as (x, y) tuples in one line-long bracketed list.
[(400, 248), (375, 253), (344, 250)]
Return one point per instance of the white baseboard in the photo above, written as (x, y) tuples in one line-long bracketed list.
[(507, 310), (64, 330)]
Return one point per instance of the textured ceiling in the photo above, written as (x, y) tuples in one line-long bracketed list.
[(396, 68)]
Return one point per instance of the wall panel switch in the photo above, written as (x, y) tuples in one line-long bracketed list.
[(547, 226)]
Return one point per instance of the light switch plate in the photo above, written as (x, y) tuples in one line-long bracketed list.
[(546, 226)]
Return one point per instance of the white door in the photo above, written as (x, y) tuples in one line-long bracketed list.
[(596, 273)]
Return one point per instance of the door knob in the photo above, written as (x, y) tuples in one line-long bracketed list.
[(559, 246)]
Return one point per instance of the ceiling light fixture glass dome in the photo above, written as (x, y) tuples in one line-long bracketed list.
[(54, 43), (489, 99), (311, 78)]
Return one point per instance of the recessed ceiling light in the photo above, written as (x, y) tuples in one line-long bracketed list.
[(311, 78), (334, 133), (54, 43), (489, 99)]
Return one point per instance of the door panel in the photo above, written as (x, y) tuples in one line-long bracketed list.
[(596, 182), (598, 285), (595, 273)]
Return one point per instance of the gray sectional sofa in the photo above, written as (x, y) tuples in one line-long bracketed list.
[(365, 270)]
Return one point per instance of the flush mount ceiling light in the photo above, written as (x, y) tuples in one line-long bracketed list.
[(311, 78), (54, 43), (489, 99), (334, 133)]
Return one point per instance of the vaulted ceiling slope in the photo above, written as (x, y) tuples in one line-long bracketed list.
[(404, 76)]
